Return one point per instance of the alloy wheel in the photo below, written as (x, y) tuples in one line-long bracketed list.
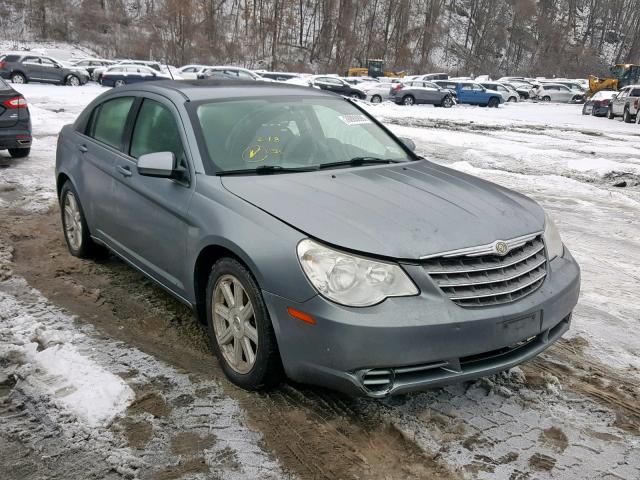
[(74, 81), (120, 83), (18, 78), (408, 101), (235, 324), (72, 221)]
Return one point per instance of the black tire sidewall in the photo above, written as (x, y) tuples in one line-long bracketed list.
[(408, 97), (267, 369), (19, 152), (69, 80), (376, 99)]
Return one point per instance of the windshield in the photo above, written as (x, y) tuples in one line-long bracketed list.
[(289, 132)]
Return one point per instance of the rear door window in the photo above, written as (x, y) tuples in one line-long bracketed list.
[(155, 131), (108, 121)]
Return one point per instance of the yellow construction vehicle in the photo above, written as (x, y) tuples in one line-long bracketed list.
[(622, 74), (375, 69)]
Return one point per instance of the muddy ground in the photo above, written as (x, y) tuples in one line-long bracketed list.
[(313, 433), (568, 414)]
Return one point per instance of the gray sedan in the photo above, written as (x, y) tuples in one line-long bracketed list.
[(310, 240)]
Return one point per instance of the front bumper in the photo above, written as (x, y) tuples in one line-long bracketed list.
[(414, 343)]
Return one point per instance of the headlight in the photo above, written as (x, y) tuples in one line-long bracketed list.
[(351, 280), (552, 239)]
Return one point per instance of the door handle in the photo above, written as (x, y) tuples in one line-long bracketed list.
[(124, 171), (83, 149)]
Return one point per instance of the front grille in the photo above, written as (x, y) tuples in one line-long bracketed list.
[(476, 278)]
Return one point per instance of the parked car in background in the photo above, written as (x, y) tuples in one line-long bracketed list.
[(98, 71), (378, 92), (229, 73), (311, 241), (523, 89), (509, 94), (278, 76), (625, 103), (331, 84), (598, 105), (418, 91), (121, 75), (90, 64), (554, 92), (191, 72), (429, 77), (27, 67), (473, 93), (15, 122)]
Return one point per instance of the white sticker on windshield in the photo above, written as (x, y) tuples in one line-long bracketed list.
[(354, 119)]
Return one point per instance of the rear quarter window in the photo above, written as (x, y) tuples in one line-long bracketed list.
[(635, 92), (108, 120), (10, 58)]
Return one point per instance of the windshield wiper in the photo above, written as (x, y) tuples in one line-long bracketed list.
[(357, 161), (266, 170)]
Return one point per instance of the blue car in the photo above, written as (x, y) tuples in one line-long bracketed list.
[(121, 75), (475, 94)]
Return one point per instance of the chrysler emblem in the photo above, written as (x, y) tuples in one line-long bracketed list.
[(501, 247)]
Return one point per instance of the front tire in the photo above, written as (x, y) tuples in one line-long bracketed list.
[(74, 225), (73, 81), (240, 329), (119, 83), (447, 102), (610, 114), (376, 99), (19, 152), (493, 102), (626, 116), (546, 98)]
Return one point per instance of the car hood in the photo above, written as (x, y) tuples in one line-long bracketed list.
[(398, 211)]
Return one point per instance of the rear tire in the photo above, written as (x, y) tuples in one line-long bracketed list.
[(408, 100), (119, 83), (546, 98), (18, 78), (512, 99), (265, 370), (19, 152), (610, 114), (74, 225), (626, 116), (376, 99), (584, 109)]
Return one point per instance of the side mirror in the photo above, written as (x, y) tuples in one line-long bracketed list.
[(160, 165), (57, 65), (410, 144)]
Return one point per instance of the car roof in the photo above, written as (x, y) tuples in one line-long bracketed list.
[(196, 90)]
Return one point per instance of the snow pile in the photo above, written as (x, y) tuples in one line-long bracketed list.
[(50, 363)]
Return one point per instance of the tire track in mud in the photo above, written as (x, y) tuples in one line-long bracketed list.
[(314, 434)]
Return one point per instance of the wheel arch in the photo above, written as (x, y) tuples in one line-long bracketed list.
[(61, 179), (205, 260)]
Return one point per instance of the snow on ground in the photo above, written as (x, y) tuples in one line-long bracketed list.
[(564, 160), (568, 163), (71, 378)]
